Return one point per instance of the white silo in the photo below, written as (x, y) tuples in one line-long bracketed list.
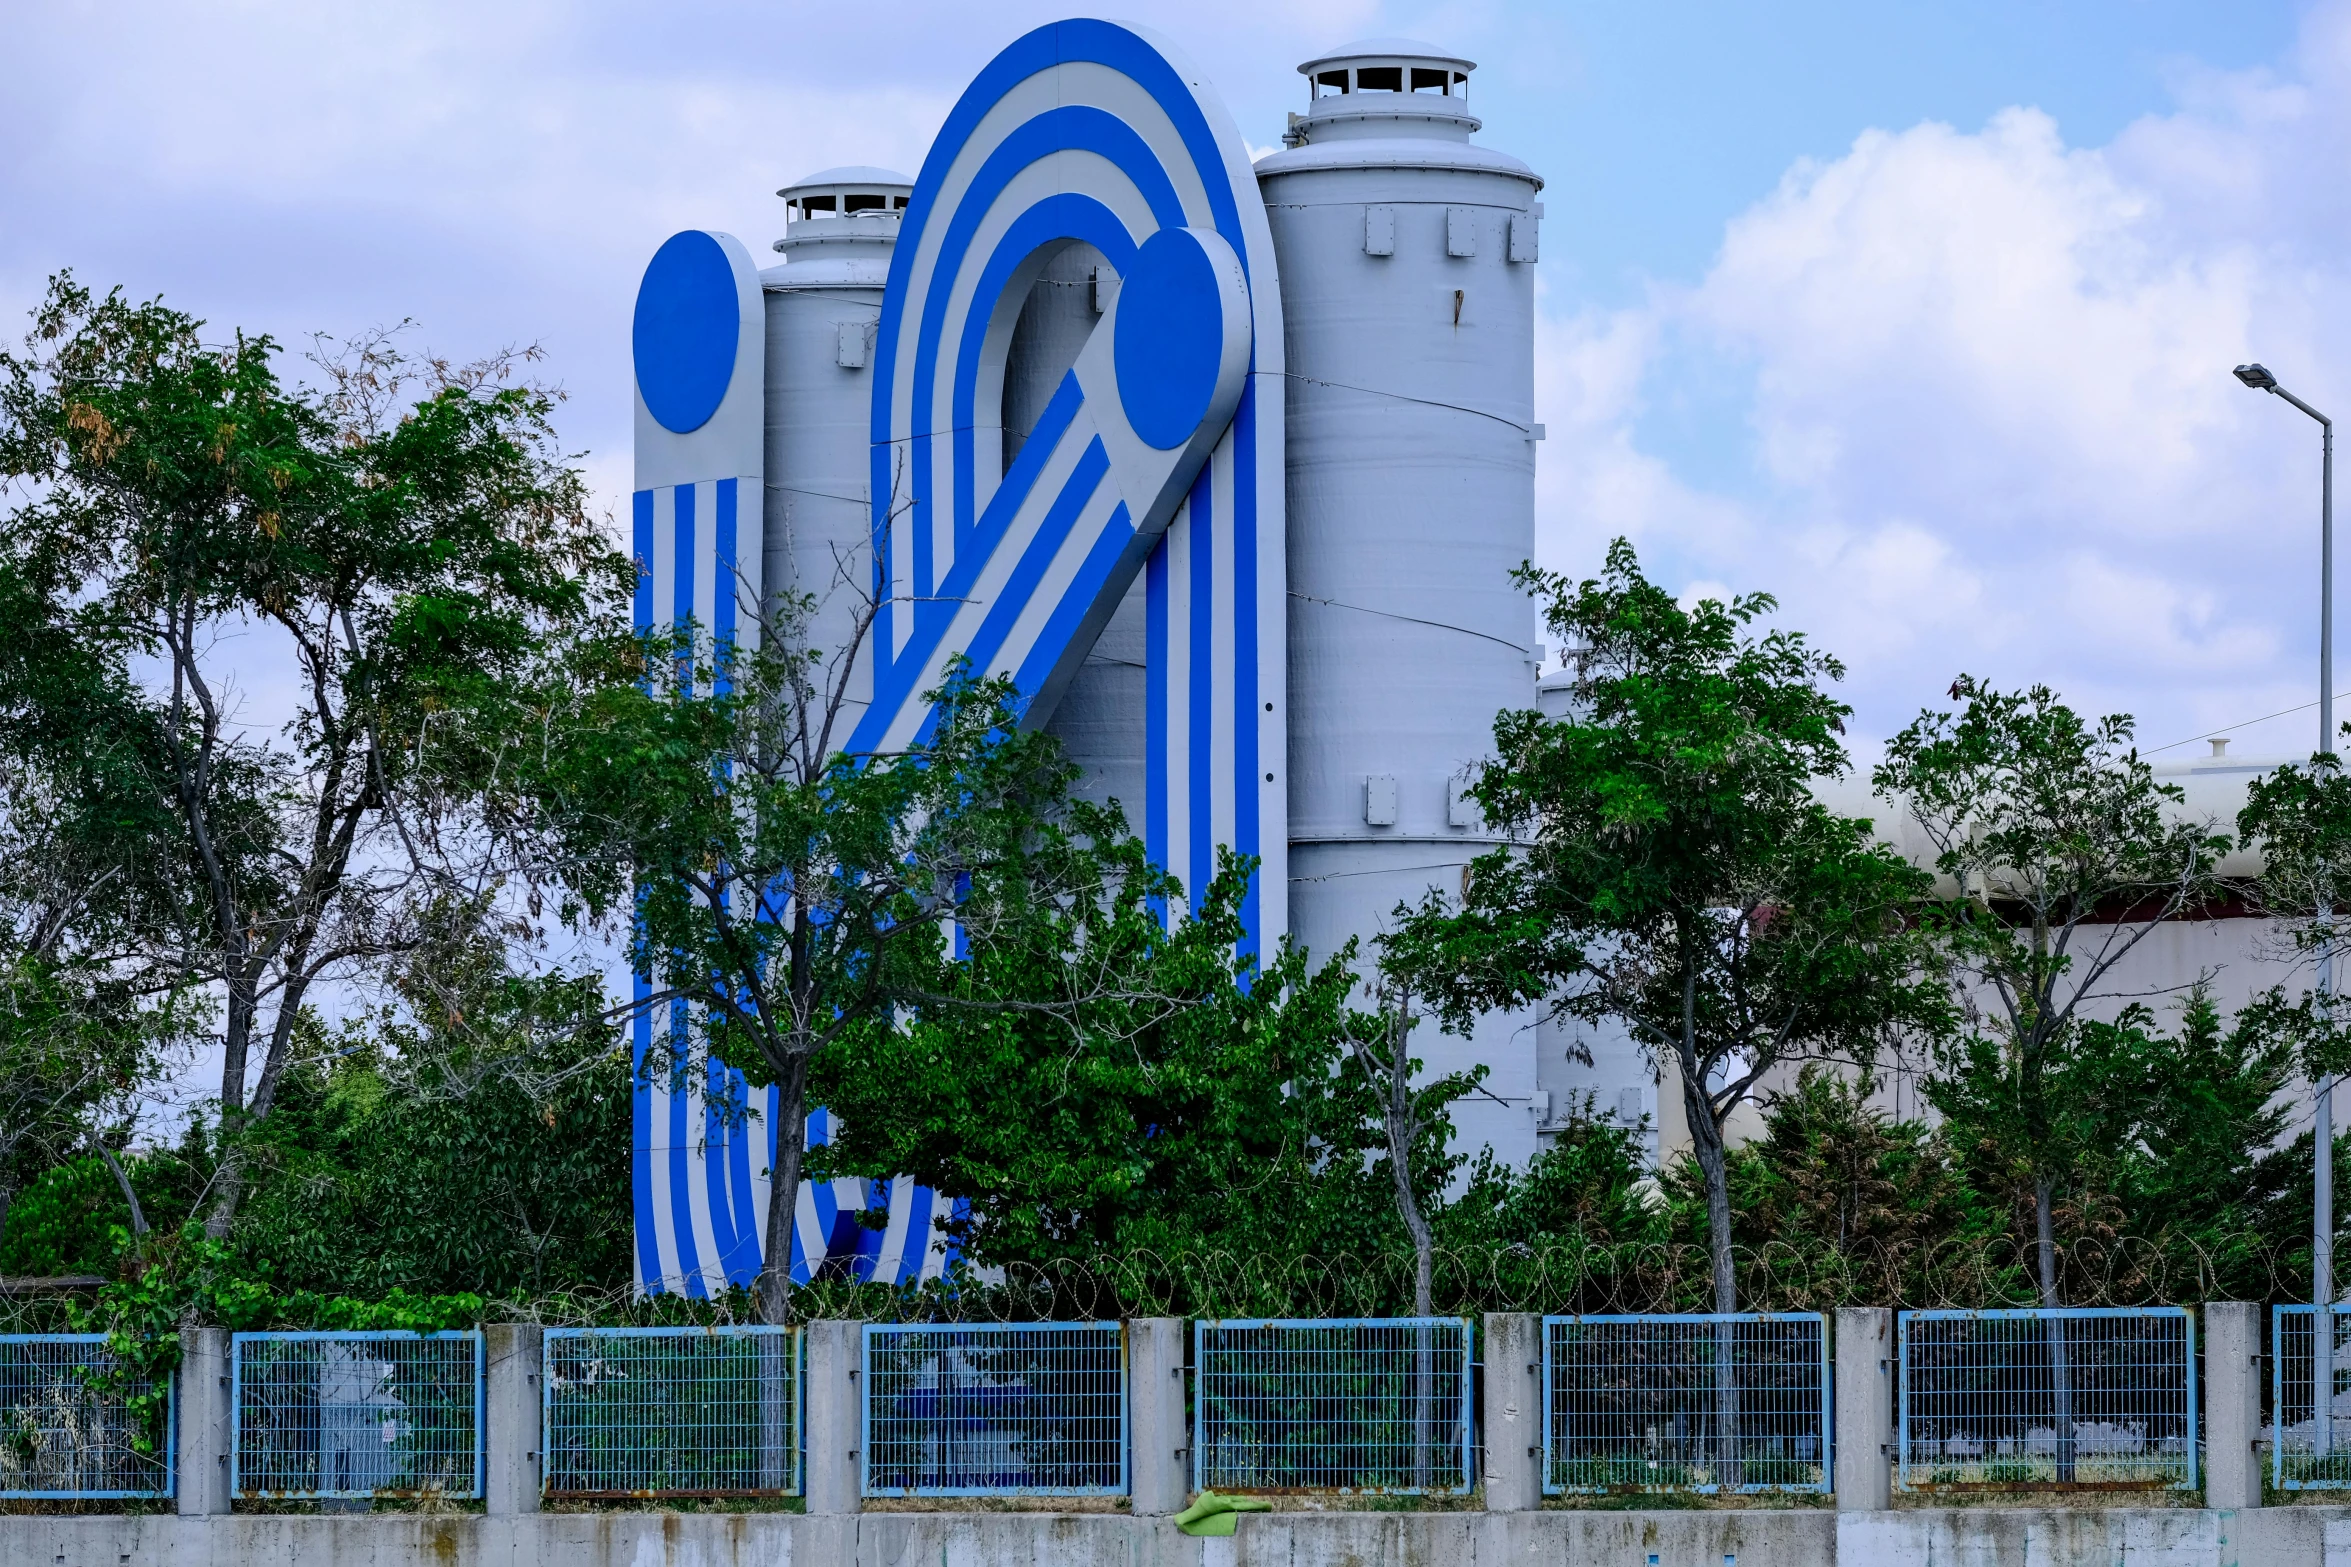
[(1407, 264), (822, 306)]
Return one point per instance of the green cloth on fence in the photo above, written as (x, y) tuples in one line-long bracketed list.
[(1213, 1514)]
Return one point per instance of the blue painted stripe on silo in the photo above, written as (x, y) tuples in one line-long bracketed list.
[(1246, 698), (1053, 529), (903, 681), (1063, 216), (1201, 681), (1084, 590), (1155, 709)]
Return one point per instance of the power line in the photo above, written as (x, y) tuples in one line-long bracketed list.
[(2214, 734)]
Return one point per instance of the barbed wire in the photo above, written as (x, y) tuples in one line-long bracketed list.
[(1563, 1277), (1550, 1278)]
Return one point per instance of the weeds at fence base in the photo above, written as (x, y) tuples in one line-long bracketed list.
[(1765, 1474), (2307, 1472), (1638, 1501), (434, 1504), (672, 1504), (2008, 1485), (995, 1504), (2045, 1497)]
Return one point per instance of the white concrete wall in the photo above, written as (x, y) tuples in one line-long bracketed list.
[(1980, 1537)]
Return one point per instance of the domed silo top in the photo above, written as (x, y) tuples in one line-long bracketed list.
[(846, 192), (840, 218), (1389, 65), (1384, 87)]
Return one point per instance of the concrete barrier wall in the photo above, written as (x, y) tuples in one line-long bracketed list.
[(1977, 1537)]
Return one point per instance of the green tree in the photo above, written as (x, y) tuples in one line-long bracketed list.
[(1674, 872), (405, 535), (786, 896), (1833, 1171), (490, 1158), (2204, 1160), (2062, 852), (1588, 1186), (1100, 1082)]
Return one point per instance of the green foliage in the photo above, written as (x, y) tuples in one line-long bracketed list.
[(1092, 1079), (1832, 1172), (785, 895), (1590, 1185), (68, 1220), (2064, 852), (407, 537), (1678, 876), (492, 1160)]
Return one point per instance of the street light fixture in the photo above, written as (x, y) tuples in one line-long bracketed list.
[(2322, 1119)]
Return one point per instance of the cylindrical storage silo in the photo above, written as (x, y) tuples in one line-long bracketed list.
[(822, 306), (1407, 264)]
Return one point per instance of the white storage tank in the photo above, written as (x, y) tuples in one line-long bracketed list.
[(1407, 262), (822, 307)]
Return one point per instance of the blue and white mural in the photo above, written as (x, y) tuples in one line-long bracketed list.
[(1159, 455)]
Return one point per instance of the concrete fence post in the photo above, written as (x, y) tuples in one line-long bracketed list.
[(206, 1427), (1864, 1430), (2232, 1403), (836, 1415), (1514, 1412), (514, 1362), (1159, 1436)]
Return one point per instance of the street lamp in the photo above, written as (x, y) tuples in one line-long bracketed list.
[(2322, 1120)]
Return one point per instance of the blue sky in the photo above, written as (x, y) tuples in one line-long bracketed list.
[(1919, 314)]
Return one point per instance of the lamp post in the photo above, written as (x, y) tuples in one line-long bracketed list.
[(2322, 1118)]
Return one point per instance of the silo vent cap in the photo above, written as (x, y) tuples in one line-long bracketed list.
[(847, 191), (1399, 65)]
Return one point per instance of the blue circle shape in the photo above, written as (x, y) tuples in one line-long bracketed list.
[(1170, 340), (688, 327)]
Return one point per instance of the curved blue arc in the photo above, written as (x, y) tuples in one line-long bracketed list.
[(1063, 216), (1057, 43), (1073, 127), (1020, 585), (894, 681), (1101, 43)]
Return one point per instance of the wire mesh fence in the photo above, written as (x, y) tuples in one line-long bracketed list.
[(2034, 1399), (1034, 1408), (72, 1427), (1697, 1402), (1362, 1404), (654, 1412), (356, 1414), (2309, 1450)]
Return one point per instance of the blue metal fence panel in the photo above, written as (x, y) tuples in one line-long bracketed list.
[(1346, 1404), (2306, 1452), (68, 1430), (1028, 1408), (1705, 1402), (654, 1412), (356, 1414), (2085, 1398)]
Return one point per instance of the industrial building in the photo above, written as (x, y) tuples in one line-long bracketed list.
[(1227, 462)]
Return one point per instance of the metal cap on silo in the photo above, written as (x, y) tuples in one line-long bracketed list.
[(856, 203), (1385, 87)]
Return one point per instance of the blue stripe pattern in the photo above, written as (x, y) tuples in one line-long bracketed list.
[(703, 1141)]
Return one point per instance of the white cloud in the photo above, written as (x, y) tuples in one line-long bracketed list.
[(1986, 415)]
